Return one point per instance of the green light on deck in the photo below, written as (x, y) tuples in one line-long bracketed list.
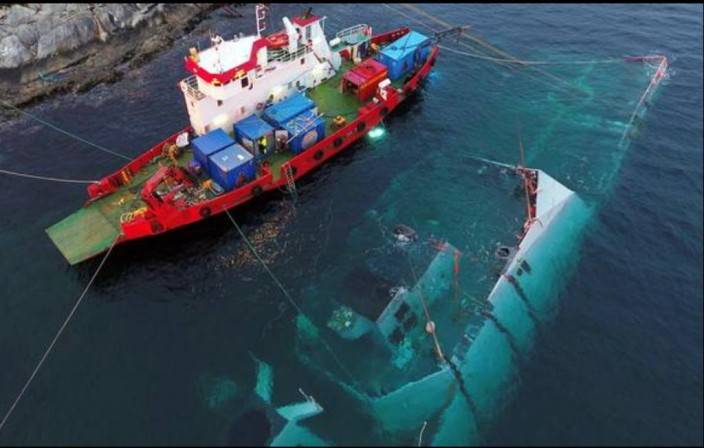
[(376, 133)]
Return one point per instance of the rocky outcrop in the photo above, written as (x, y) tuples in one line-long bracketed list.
[(40, 31), (45, 40), (13, 53)]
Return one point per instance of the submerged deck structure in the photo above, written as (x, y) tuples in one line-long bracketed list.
[(429, 333)]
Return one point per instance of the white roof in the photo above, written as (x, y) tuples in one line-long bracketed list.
[(226, 55)]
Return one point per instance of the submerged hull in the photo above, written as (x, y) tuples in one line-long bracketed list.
[(94, 228)]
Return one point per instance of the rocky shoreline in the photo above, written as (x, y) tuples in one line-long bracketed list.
[(48, 49)]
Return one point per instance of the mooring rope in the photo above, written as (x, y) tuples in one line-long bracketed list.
[(67, 133), (56, 337), (420, 436), (652, 85), (509, 58), (455, 370), (425, 25), (488, 58), (53, 179), (288, 296), (430, 324)]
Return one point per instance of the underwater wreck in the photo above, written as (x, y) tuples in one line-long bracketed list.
[(438, 347)]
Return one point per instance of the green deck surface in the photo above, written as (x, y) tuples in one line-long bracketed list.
[(92, 229), (83, 234), (331, 102)]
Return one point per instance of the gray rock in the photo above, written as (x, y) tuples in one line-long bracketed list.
[(12, 53), (66, 37), (115, 16), (46, 24), (77, 7), (27, 34), (86, 29), (54, 9), (18, 15)]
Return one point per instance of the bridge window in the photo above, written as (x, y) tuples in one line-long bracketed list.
[(245, 82), (219, 103), (303, 61)]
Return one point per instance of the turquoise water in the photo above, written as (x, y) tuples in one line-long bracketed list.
[(160, 350)]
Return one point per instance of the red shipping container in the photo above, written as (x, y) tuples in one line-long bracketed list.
[(363, 78)]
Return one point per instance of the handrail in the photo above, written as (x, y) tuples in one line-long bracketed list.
[(191, 85), (351, 30), (287, 56)]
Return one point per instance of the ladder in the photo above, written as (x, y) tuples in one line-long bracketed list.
[(290, 182)]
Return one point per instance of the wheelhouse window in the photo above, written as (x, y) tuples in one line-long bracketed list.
[(245, 82)]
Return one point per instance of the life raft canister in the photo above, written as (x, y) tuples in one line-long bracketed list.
[(277, 40)]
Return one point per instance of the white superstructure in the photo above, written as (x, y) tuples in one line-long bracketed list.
[(236, 78)]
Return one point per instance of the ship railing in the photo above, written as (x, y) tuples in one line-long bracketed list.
[(356, 31), (286, 56), (191, 86)]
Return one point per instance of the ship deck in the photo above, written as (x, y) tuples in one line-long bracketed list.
[(332, 102), (92, 229)]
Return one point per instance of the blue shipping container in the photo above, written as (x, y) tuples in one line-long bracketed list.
[(232, 167), (209, 144), (280, 113), (256, 135), (404, 53), (305, 130)]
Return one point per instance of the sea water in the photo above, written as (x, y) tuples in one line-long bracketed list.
[(159, 351)]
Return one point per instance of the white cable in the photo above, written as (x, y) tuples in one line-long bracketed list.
[(56, 338), (53, 179)]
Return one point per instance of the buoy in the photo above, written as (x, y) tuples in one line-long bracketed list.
[(430, 327)]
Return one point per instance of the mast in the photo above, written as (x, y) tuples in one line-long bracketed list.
[(261, 14)]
